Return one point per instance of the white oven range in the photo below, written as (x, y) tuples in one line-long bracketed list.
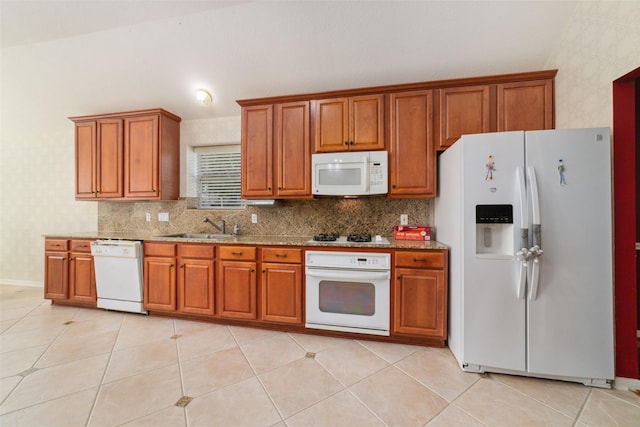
[(348, 291)]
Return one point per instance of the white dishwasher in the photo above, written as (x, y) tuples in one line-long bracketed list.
[(119, 282)]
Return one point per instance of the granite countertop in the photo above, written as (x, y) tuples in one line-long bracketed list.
[(251, 240)]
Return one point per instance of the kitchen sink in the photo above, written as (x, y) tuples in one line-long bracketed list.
[(199, 236)]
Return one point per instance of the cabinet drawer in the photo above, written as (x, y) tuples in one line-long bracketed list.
[(160, 249), (420, 259), (196, 251), (244, 253), (81, 246), (56, 245), (292, 256)]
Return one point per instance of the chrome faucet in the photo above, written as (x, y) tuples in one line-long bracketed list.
[(220, 227)]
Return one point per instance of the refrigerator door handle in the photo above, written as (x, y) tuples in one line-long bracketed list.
[(524, 212), (535, 253), (523, 256), (535, 206)]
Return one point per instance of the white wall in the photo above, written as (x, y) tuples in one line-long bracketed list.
[(600, 44)]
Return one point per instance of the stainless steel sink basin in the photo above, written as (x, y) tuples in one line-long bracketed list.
[(199, 236)]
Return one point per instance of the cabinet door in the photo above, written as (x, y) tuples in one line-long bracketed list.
[(366, 122), (257, 151), (56, 271), (236, 290), (420, 303), (195, 286), (463, 110), (525, 105), (141, 158), (160, 284), (82, 277), (86, 186), (412, 157), (293, 150), (281, 293), (331, 123), (109, 158)]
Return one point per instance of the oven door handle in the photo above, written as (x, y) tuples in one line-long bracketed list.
[(358, 275)]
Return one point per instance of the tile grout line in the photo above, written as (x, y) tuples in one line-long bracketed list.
[(181, 373), (104, 373), (582, 408), (36, 361)]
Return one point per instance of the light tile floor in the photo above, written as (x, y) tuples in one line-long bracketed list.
[(64, 366)]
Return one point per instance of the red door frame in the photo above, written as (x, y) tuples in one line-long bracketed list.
[(624, 169)]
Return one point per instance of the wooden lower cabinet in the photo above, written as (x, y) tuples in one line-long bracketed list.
[(281, 285), (179, 278), (69, 271), (420, 294), (236, 287)]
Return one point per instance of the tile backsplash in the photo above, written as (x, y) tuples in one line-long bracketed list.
[(375, 215)]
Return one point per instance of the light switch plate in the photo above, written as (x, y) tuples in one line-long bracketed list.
[(404, 219), (254, 218)]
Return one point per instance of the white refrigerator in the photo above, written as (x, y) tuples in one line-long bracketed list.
[(528, 220)]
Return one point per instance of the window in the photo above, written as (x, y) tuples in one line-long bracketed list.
[(218, 173)]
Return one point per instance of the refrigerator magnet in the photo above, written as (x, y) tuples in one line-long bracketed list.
[(491, 167), (561, 170)]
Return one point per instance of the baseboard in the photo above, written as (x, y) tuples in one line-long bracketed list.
[(630, 384), (14, 282)]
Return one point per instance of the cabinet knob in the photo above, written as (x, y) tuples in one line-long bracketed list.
[(351, 142), (155, 191), (279, 188), (181, 265), (71, 259), (269, 188), (346, 143), (264, 270), (253, 270), (399, 277), (171, 265)]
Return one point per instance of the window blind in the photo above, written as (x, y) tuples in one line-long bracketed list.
[(219, 179)]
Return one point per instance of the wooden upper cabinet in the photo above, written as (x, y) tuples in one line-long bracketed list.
[(463, 110), (525, 105), (141, 157), (134, 155), (110, 158), (86, 162), (257, 151), (349, 124), (412, 157), (293, 150)]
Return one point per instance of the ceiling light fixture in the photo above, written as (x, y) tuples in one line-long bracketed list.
[(203, 97)]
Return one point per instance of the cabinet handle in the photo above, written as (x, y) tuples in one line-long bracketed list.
[(236, 253), (281, 255), (419, 260), (56, 244)]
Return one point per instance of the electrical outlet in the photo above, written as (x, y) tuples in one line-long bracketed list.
[(148, 217), (254, 218), (164, 216), (404, 219)]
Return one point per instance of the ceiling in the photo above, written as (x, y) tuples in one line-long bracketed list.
[(69, 58)]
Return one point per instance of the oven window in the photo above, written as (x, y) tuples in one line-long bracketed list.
[(347, 297)]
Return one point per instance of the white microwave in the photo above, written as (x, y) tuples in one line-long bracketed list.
[(350, 174)]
